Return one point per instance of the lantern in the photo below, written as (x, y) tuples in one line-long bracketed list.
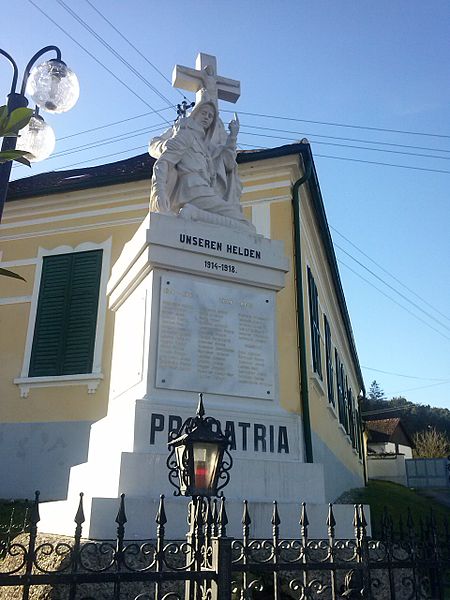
[(199, 461)]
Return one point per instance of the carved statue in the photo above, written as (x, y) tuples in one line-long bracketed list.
[(195, 173)]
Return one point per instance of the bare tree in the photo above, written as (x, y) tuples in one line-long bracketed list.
[(431, 443)]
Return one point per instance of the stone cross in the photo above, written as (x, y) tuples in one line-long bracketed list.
[(204, 77)]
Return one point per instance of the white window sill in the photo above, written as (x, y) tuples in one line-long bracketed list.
[(317, 383), (91, 380)]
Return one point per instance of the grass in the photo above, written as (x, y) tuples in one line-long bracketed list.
[(396, 499)]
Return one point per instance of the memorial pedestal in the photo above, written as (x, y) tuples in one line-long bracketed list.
[(194, 312)]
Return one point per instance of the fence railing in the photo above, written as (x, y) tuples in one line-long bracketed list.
[(408, 564)]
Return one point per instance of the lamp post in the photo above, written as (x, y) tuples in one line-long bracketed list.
[(199, 463), (55, 89)]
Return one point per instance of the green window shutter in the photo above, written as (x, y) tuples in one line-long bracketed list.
[(66, 318), (329, 360), (315, 327)]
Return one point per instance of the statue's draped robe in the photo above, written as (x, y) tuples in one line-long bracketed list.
[(202, 171)]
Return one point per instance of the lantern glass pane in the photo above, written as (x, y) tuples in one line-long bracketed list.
[(179, 453), (206, 458)]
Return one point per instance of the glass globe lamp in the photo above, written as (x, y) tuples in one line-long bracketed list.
[(37, 138), (53, 86)]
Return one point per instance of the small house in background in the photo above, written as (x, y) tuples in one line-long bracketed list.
[(388, 445)]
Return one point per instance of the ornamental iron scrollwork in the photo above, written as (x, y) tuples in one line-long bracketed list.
[(407, 563)]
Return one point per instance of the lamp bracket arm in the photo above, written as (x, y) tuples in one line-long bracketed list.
[(15, 69), (34, 59)]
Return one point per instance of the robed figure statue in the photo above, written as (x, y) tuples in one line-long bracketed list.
[(196, 171)]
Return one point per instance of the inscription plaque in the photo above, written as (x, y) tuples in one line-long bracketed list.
[(215, 339)]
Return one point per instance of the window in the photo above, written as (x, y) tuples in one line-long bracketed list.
[(340, 378), (351, 417), (66, 316), (315, 327), (329, 360)]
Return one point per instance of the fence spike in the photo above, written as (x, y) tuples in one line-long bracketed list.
[(209, 514), (246, 520), (446, 529), (214, 515), (275, 516), (35, 516), (121, 518), (331, 521), (356, 519), (362, 521), (400, 528), (362, 516), (222, 520), (79, 517), (304, 522), (409, 519), (161, 518), (432, 520)]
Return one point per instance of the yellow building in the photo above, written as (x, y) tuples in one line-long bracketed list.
[(65, 231)]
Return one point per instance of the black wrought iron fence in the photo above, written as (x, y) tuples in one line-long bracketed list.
[(406, 564)]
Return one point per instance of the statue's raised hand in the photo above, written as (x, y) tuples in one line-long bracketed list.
[(233, 126)]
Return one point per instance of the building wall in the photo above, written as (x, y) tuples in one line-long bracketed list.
[(45, 430), (109, 216), (332, 445), (388, 468), (330, 437)]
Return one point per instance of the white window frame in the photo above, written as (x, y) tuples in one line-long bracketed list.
[(92, 379)]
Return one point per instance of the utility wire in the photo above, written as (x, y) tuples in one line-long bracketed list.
[(389, 273), (393, 300), (104, 142), (407, 376), (252, 114), (346, 139), (125, 39), (422, 387), (93, 57), (403, 296), (300, 134), (382, 164), (83, 162), (151, 112), (351, 146), (114, 52)]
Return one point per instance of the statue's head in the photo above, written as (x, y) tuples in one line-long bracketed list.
[(205, 114)]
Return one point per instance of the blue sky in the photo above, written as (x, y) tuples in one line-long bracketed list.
[(363, 67)]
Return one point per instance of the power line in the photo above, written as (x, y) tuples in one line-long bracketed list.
[(336, 137), (83, 162), (422, 387), (125, 39), (401, 375), (151, 112), (393, 300), (382, 164), (430, 316), (252, 114), (351, 146), (114, 52), (389, 273), (93, 57)]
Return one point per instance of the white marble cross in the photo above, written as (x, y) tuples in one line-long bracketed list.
[(204, 77)]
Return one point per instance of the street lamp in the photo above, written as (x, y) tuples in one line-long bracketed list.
[(199, 462), (54, 88)]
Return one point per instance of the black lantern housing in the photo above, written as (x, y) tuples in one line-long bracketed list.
[(199, 462)]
